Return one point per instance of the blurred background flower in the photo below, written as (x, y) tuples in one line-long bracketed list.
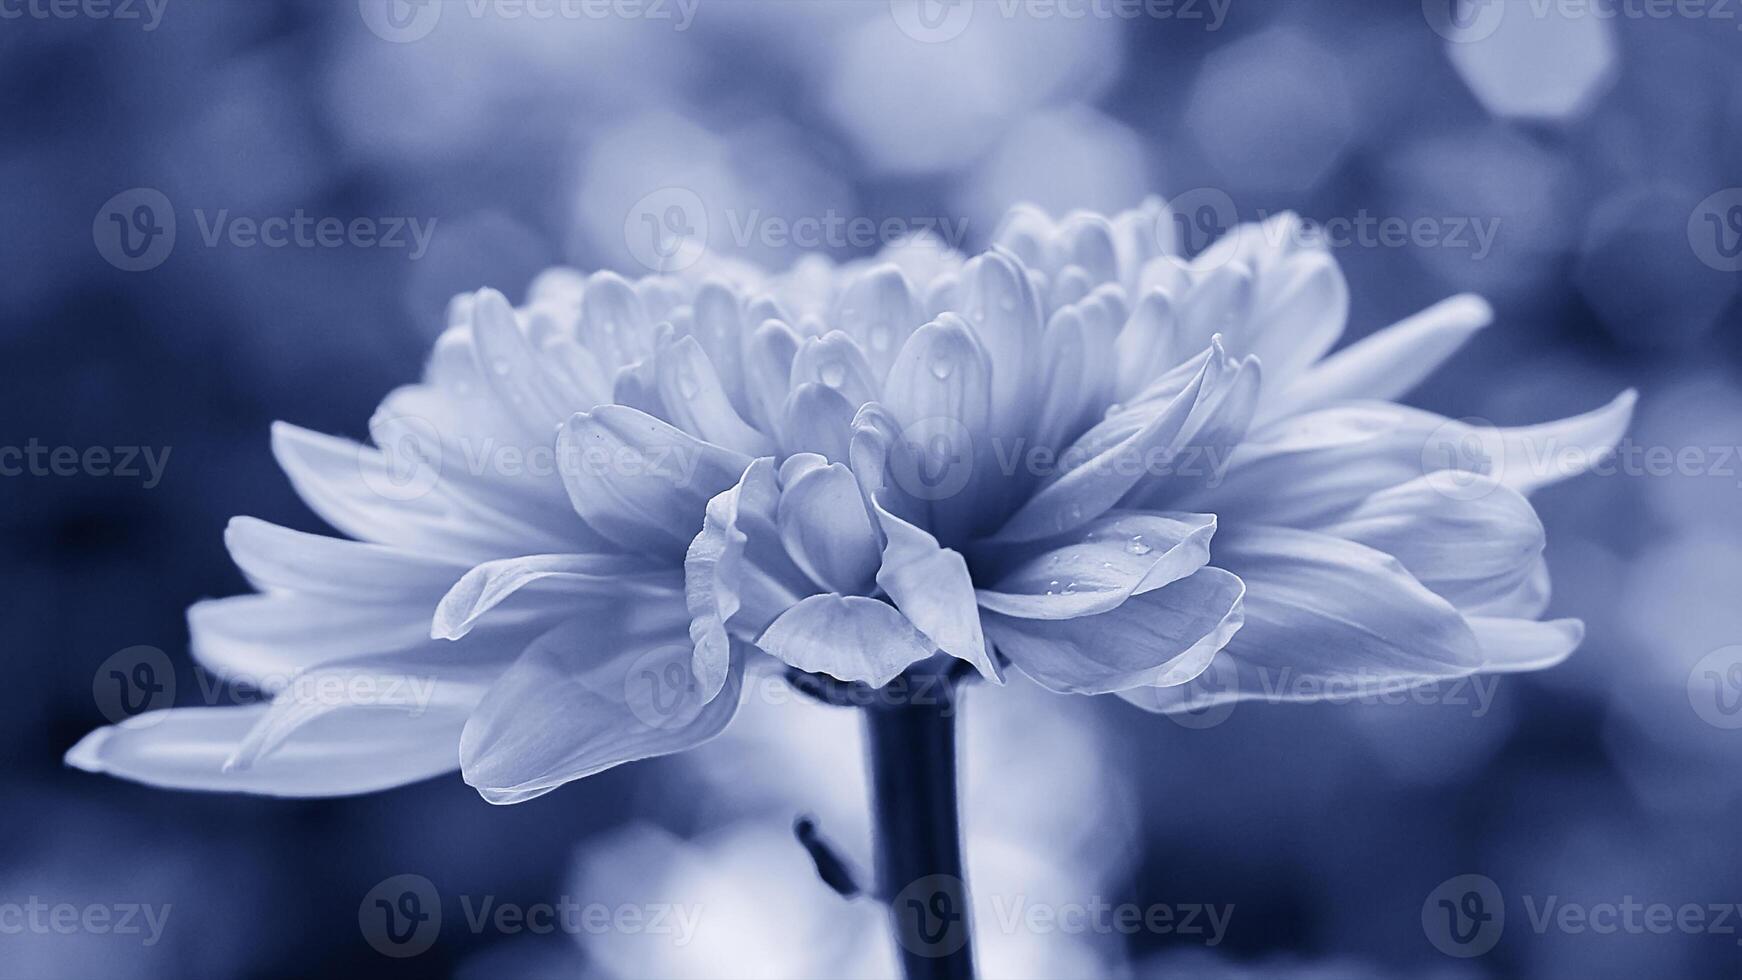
[(1579, 170)]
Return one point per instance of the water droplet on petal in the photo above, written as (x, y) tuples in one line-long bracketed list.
[(943, 366), (834, 374), (1137, 547)]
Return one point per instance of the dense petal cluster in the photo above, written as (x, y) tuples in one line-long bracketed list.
[(1078, 455)]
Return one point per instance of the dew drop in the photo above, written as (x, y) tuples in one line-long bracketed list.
[(943, 366), (1071, 589), (1137, 547), (834, 374)]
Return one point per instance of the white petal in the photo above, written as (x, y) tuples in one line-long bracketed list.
[(939, 392), (850, 638), (1325, 617), (698, 403), (278, 559), (640, 482), (583, 698), (186, 748), (1100, 565), (1389, 364), (931, 586), (1525, 644), (356, 490), (879, 309), (1002, 309), (1469, 548), (825, 526), (1114, 456), (1164, 636), (551, 587)]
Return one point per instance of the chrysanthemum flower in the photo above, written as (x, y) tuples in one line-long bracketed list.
[(1076, 455)]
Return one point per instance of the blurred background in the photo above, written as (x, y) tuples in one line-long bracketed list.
[(1577, 163)]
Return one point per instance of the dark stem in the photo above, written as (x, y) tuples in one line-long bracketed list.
[(912, 739)]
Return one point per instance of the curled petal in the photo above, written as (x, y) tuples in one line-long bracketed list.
[(639, 481), (824, 524), (553, 584), (849, 638), (1325, 617), (1470, 548), (1163, 637), (737, 576), (585, 697), (1100, 565)]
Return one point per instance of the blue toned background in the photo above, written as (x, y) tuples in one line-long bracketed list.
[(1579, 170)]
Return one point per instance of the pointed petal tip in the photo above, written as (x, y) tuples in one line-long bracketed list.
[(88, 753)]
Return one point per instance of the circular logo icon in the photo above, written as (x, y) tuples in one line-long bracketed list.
[(1715, 230), (932, 21), (135, 230), (1207, 703), (1464, 459), (1715, 688), (133, 682), (1464, 916), (933, 459), (1195, 220), (401, 21), (661, 687), (408, 462), (401, 916), (1464, 21), (931, 916), (667, 230)]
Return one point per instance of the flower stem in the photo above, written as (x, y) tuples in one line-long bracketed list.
[(912, 741)]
